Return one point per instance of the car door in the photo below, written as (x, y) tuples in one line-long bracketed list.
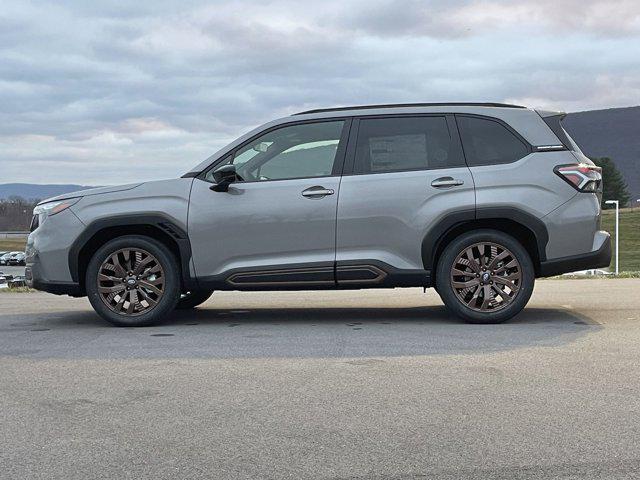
[(403, 175), (276, 225)]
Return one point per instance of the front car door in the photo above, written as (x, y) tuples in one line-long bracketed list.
[(276, 225), (403, 175)]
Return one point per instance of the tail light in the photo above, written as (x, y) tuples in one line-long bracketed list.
[(583, 177)]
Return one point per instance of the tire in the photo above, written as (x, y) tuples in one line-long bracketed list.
[(191, 300), (134, 291), (476, 298)]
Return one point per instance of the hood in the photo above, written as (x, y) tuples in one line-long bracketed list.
[(92, 191)]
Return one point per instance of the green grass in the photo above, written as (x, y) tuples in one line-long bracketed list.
[(629, 237), (12, 244)]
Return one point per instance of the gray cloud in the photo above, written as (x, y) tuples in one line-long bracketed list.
[(156, 86)]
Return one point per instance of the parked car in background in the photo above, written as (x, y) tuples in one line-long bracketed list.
[(19, 281), (475, 200), (4, 257), (11, 281), (16, 258)]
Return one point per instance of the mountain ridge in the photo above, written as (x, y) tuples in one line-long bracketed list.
[(37, 191)]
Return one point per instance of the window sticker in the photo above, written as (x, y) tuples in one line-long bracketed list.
[(398, 152)]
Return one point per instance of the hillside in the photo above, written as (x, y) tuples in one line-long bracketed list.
[(32, 191), (614, 133)]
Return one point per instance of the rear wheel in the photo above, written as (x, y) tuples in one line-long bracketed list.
[(485, 276), (133, 281), (192, 299)]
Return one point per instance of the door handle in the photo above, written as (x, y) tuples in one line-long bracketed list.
[(446, 182), (317, 192)]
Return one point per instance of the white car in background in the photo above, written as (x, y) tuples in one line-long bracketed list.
[(16, 258), (4, 256)]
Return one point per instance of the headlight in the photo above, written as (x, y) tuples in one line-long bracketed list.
[(51, 208)]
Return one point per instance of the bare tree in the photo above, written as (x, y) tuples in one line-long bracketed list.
[(15, 213)]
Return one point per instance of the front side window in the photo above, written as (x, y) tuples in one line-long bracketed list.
[(487, 142), (296, 151), (404, 143)]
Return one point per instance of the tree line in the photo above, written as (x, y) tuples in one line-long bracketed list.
[(613, 185), (16, 213)]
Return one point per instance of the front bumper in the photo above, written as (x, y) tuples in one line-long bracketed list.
[(58, 288), (599, 258), (47, 254)]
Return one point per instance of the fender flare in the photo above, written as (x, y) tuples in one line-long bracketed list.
[(162, 222), (432, 241)]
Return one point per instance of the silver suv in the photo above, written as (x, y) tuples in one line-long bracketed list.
[(475, 200)]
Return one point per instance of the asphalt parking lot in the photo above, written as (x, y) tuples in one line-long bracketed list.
[(332, 385)]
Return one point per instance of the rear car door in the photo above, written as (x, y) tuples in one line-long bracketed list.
[(276, 225), (403, 175)]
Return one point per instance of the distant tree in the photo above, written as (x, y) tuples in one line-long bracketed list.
[(15, 213), (17, 199), (614, 187)]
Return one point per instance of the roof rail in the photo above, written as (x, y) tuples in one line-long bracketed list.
[(403, 105)]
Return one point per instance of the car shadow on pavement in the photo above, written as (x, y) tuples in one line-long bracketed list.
[(420, 315), (287, 332)]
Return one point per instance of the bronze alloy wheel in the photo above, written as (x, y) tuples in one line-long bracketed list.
[(131, 281), (486, 277)]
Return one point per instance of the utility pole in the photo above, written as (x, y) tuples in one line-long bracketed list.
[(617, 204)]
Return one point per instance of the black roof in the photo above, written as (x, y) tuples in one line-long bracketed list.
[(403, 105)]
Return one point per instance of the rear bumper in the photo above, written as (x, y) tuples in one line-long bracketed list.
[(595, 259)]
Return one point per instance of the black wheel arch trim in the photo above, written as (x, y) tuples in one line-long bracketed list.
[(162, 222), (432, 242)]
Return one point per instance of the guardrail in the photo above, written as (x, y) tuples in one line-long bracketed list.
[(14, 234)]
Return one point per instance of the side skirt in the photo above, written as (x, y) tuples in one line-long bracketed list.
[(318, 276)]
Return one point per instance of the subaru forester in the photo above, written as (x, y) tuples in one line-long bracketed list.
[(474, 200)]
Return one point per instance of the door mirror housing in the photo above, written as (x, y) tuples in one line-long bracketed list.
[(224, 176)]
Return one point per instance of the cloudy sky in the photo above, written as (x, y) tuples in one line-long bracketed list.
[(108, 92)]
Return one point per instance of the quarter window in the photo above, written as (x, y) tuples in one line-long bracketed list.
[(488, 142), (404, 143)]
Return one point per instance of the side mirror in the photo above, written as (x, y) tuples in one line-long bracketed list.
[(224, 176)]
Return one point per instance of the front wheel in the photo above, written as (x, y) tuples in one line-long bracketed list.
[(485, 276), (133, 281), (192, 299)]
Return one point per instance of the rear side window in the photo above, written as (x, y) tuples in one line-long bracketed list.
[(404, 143), (487, 142)]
